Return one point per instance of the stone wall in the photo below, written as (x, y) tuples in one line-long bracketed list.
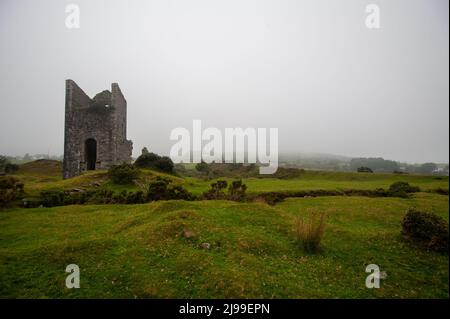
[(103, 119)]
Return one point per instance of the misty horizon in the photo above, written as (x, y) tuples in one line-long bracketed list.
[(312, 69)]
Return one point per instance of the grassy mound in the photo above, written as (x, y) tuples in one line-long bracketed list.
[(159, 250), (42, 167)]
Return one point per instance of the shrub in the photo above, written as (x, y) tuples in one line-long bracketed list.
[(164, 164), (202, 167), (426, 229), (179, 192), (236, 190), (31, 202), (309, 232), (217, 190), (146, 160), (402, 189), (364, 169), (399, 194), (403, 186), (123, 174), (135, 198), (52, 198), (11, 189), (154, 161), (160, 189)]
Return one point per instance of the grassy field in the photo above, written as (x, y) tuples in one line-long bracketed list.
[(138, 251), (37, 179), (314, 180)]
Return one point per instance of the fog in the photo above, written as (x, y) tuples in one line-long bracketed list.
[(310, 68)]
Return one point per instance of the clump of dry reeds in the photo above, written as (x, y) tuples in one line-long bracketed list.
[(309, 231)]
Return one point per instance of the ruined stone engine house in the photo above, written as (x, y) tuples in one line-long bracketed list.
[(95, 131)]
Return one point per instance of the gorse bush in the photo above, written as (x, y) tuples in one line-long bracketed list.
[(123, 174), (11, 189), (160, 189), (154, 161), (202, 167), (125, 197), (157, 190), (236, 190), (146, 160), (179, 192), (402, 189), (403, 186), (309, 231), (217, 190), (426, 229), (52, 198), (164, 164)]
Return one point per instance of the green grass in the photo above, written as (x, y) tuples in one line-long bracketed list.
[(36, 181), (314, 180), (137, 251)]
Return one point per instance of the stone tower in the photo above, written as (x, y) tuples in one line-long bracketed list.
[(95, 131)]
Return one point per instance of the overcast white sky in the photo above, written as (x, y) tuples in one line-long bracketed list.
[(309, 67)]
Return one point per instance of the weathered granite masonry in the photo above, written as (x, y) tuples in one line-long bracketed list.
[(95, 131)]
